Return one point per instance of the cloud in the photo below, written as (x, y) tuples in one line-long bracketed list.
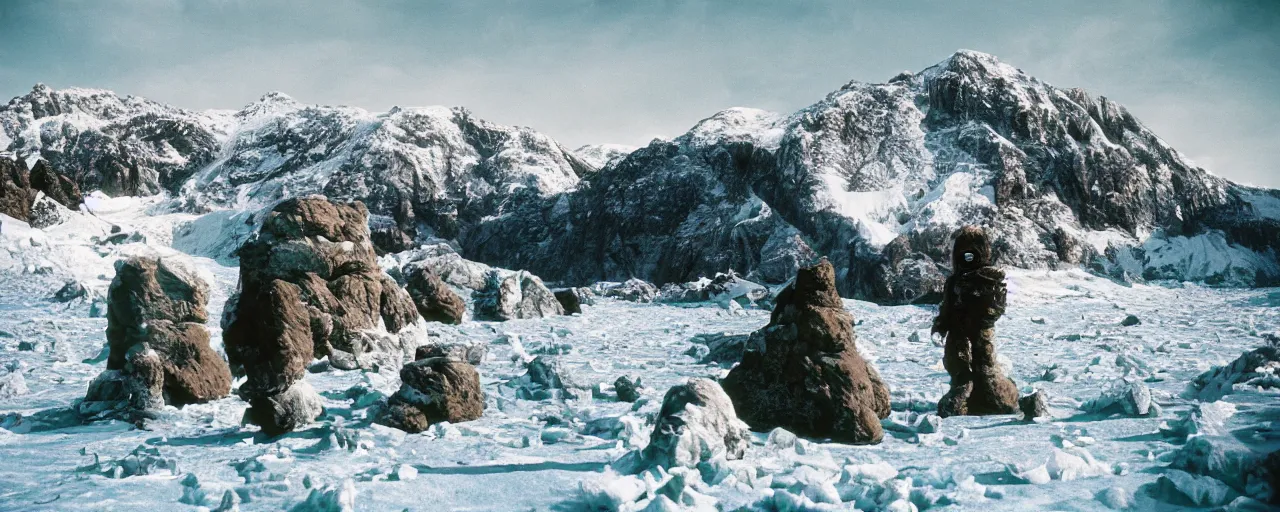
[(1201, 74)]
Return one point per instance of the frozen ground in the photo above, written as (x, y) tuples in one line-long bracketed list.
[(534, 455)]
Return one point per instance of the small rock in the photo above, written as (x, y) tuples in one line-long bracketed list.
[(70, 291), (1035, 405), (929, 424), (27, 346), (1130, 321), (627, 391)]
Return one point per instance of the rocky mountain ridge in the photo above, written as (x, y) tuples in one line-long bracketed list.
[(874, 176)]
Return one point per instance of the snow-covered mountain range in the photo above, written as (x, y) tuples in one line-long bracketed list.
[(874, 176)]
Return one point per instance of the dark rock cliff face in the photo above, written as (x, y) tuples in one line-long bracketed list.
[(874, 176), (20, 188)]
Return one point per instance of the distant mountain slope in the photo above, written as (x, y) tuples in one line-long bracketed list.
[(874, 176), (436, 168), (877, 176)]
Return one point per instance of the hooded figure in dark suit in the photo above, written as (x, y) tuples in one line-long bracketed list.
[(973, 299)]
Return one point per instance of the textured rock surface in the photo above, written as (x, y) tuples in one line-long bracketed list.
[(323, 249), (873, 176), (809, 377), (434, 390), (19, 188), (310, 286), (159, 350), (435, 301), (974, 298)]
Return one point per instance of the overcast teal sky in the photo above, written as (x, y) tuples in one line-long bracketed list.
[(1205, 75)]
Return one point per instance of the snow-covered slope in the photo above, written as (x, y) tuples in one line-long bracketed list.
[(435, 168), (877, 177), (601, 155)]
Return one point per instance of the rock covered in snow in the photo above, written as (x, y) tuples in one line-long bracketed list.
[(434, 390), (810, 378), (472, 353), (696, 423), (1260, 365), (286, 411), (46, 213), (1125, 396), (724, 288), (517, 296), (159, 346), (41, 197), (633, 290), (1185, 489), (1034, 405), (726, 349), (12, 384)]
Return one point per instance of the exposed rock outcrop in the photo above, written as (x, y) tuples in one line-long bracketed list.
[(310, 287), (809, 377), (20, 189), (323, 248), (878, 175), (159, 346)]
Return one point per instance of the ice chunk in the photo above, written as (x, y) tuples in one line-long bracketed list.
[(1182, 488)]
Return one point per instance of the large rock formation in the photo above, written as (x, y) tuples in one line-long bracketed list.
[(974, 298), (310, 287), (159, 349), (436, 170), (808, 377)]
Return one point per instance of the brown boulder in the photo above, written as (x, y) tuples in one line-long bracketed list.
[(809, 377), (317, 216), (435, 301), (145, 290), (158, 346), (193, 372), (270, 338), (396, 306), (432, 391)]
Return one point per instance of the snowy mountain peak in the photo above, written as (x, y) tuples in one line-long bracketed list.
[(759, 127)]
